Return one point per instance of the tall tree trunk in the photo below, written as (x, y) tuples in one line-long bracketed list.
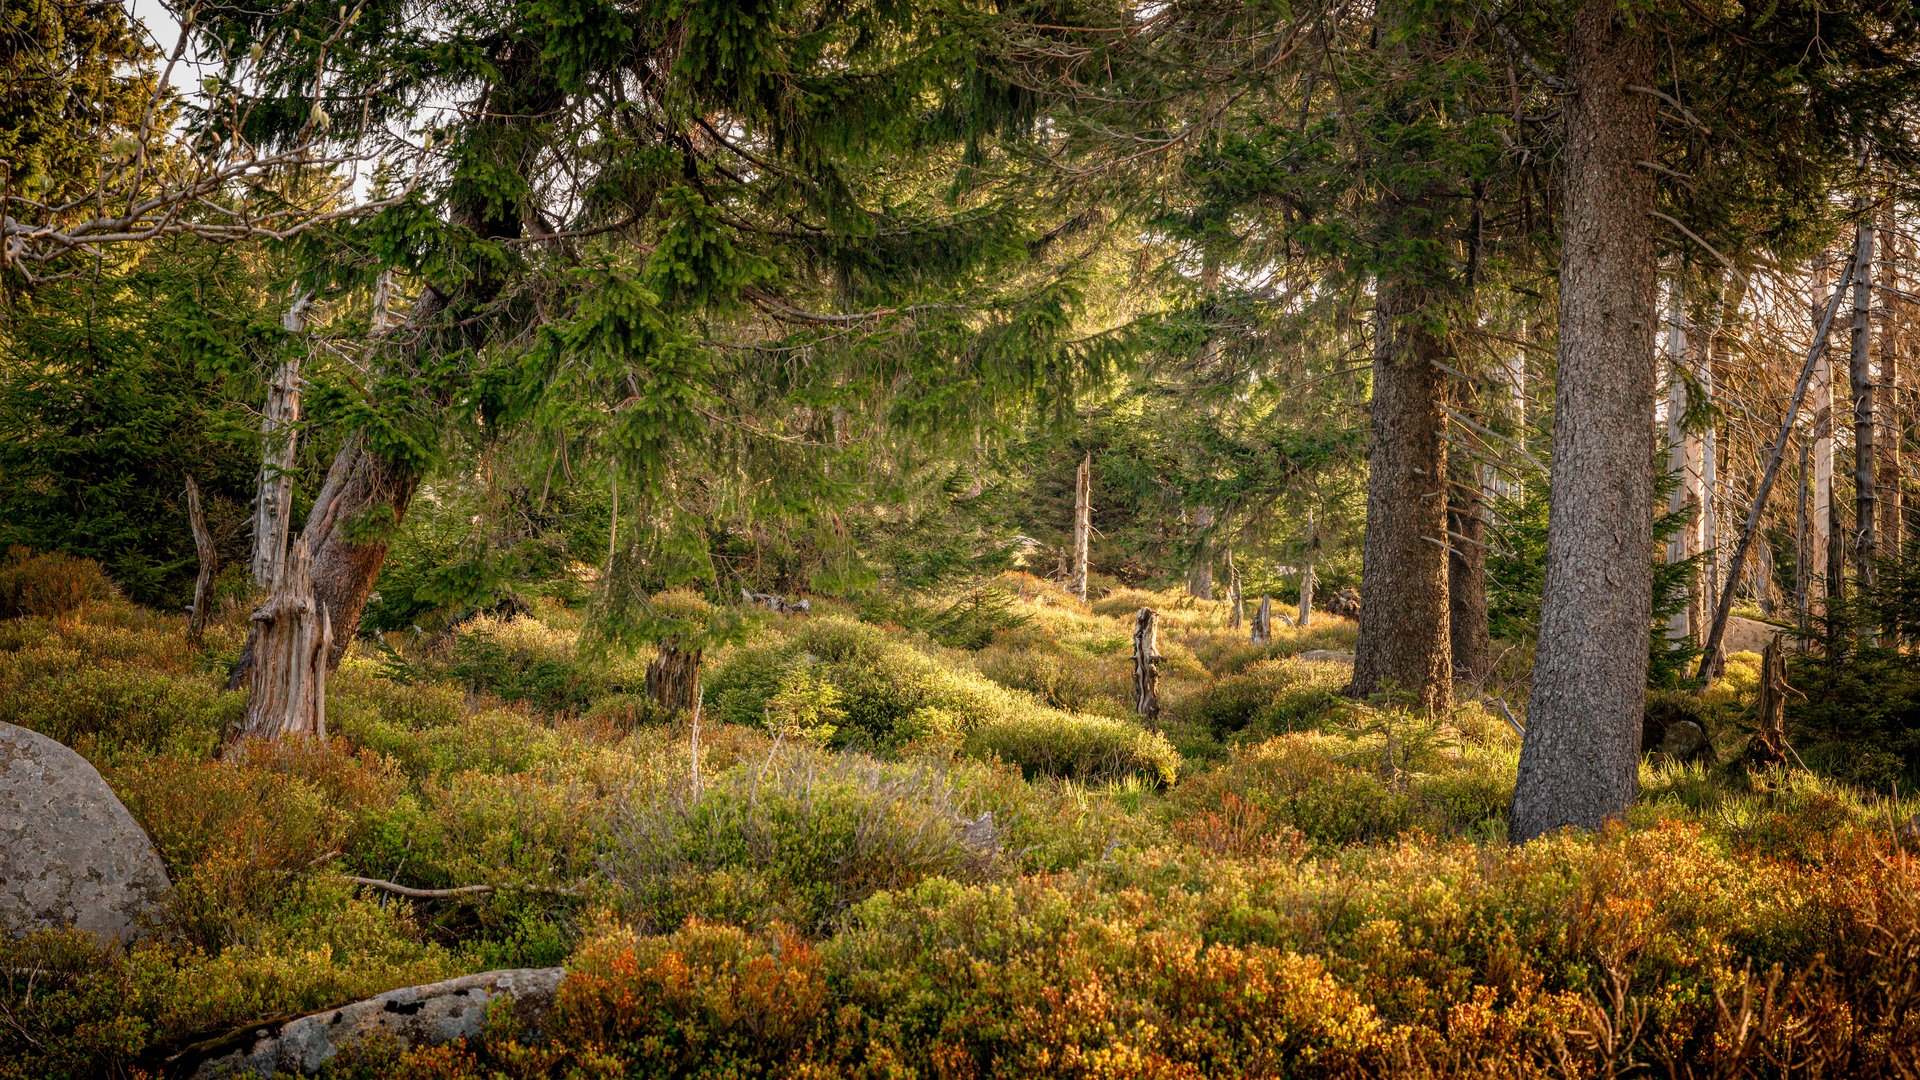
[(1686, 451), (1579, 760), (1306, 575), (1471, 642), (1890, 538), (1861, 370), (1404, 640), (288, 685), (1200, 575), (1082, 524), (280, 436), (1236, 605), (1823, 554), (209, 562), (1803, 542)]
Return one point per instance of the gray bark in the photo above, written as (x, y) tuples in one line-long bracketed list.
[(1082, 525), (1861, 369), (209, 562), (1146, 664), (287, 692), (1580, 757), (280, 436)]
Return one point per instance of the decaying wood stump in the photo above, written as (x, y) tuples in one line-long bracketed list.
[(1345, 603), (1146, 664), (209, 562), (1082, 527), (673, 678), (1262, 631), (293, 633), (1769, 745)]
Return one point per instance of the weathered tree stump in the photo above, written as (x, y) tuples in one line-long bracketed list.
[(1769, 745), (209, 562), (1082, 526), (673, 678), (1262, 630), (1146, 664), (293, 634)]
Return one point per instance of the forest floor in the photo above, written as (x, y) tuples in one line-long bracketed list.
[(927, 837)]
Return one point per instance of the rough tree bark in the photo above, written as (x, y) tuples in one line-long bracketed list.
[(209, 562), (1404, 639), (280, 435), (1470, 638), (1825, 554), (1890, 536), (1146, 664), (1082, 525), (1580, 757), (673, 678), (287, 692), (1686, 450), (1860, 368)]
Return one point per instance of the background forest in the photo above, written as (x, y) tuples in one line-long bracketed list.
[(945, 538)]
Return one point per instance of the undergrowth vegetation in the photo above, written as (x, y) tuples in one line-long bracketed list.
[(932, 840)]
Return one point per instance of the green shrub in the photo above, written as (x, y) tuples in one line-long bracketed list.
[(49, 583), (890, 695), (796, 839), (523, 660), (1271, 697), (1085, 748), (106, 708)]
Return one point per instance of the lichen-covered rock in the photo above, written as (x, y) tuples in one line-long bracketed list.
[(411, 1016), (70, 854)]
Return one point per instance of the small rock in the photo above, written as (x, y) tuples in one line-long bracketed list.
[(1326, 655), (411, 1016), (70, 853)]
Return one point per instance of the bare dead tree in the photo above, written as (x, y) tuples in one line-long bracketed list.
[(1146, 664), (1082, 525), (292, 635), (209, 562)]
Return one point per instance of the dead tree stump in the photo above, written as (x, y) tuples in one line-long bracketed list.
[(673, 678), (209, 562), (1082, 526), (1262, 631), (1146, 664), (1769, 745), (293, 634)]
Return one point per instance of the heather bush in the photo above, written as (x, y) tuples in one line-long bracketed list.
[(49, 583)]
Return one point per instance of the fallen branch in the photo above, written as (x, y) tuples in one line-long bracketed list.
[(461, 890)]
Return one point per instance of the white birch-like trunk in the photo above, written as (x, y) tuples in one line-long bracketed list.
[(1306, 577), (1082, 525), (1820, 393), (1685, 449)]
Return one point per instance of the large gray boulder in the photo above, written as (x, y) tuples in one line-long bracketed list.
[(70, 854), (412, 1016)]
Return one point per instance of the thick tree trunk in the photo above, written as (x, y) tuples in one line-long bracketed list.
[(1861, 369), (1200, 575), (673, 678), (209, 562), (1082, 525), (280, 436), (1404, 641), (1579, 760), (293, 634), (1146, 665)]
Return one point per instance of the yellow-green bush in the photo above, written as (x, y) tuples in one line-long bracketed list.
[(890, 694)]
